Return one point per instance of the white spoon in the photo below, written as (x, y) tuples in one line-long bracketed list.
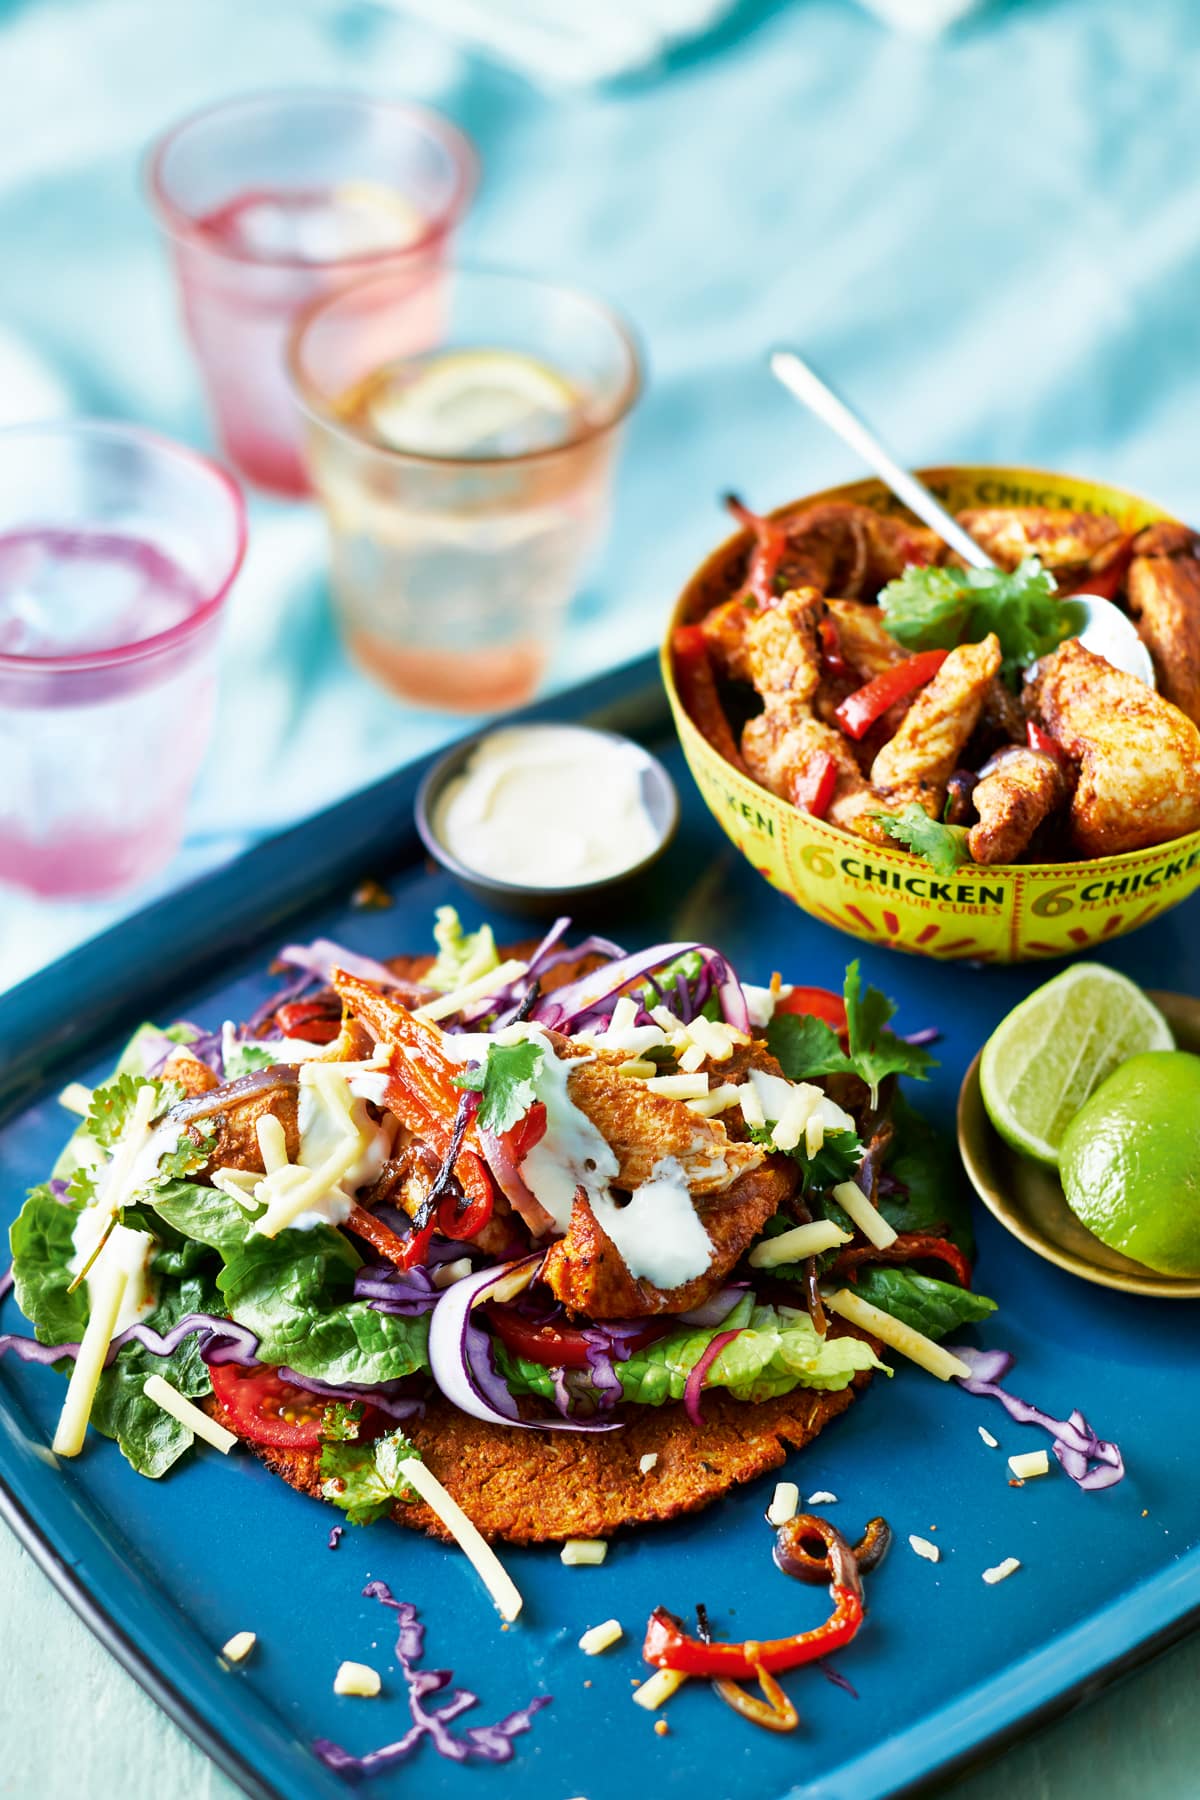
[(1101, 627)]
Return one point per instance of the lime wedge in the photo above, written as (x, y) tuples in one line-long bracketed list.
[(1041, 1063), (473, 403)]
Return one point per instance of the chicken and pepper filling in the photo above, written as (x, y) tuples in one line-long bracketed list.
[(848, 665)]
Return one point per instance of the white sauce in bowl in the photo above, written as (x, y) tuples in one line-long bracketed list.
[(550, 806)]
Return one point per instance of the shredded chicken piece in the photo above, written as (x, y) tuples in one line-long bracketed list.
[(1062, 539), (1164, 598), (1139, 757), (931, 737), (1019, 790), (782, 653)]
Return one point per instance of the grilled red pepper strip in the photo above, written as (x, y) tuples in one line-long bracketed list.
[(860, 710), (910, 1246), (316, 1021), (813, 791), (1108, 581), (698, 690), (770, 546), (668, 1645), (381, 1237)]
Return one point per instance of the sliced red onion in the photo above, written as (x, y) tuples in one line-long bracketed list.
[(575, 1001), (280, 1077), (717, 1308), (1091, 1462), (510, 1181), (695, 1380), (384, 1395), (6, 1282), (323, 956), (484, 1743), (460, 1354)]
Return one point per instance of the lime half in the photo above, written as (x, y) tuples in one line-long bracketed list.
[(1041, 1063), (473, 403)]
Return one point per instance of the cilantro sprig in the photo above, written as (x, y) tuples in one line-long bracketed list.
[(364, 1479), (113, 1104), (805, 1047), (944, 847), (936, 608), (505, 1080)]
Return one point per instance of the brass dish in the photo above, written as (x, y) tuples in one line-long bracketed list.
[(1029, 1202)]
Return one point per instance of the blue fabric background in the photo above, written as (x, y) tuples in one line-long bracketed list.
[(992, 243)]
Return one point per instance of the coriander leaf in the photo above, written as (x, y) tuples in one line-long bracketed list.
[(875, 1050), (187, 1157), (937, 608), (934, 1307), (944, 847), (804, 1047), (340, 1423), (112, 1105), (244, 1059), (364, 1479), (836, 1160), (463, 956), (505, 1079)]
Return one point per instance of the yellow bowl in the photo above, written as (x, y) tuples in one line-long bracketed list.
[(1010, 913)]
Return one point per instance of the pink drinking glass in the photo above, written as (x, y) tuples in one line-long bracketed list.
[(117, 551), (269, 202)]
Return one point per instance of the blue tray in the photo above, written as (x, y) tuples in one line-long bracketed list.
[(946, 1667)]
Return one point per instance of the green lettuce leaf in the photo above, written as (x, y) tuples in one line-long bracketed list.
[(295, 1292), (805, 1047), (934, 1307), (937, 1197), (150, 1438), (777, 1349), (364, 1479), (462, 956), (40, 1238)]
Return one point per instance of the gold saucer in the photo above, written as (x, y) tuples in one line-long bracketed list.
[(1028, 1199)]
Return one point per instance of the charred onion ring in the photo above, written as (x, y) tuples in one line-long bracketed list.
[(794, 1557)]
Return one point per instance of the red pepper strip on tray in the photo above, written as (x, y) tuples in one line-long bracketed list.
[(860, 710), (770, 546), (910, 1246), (698, 690), (1108, 581), (831, 649), (813, 791), (775, 1712), (668, 1645)]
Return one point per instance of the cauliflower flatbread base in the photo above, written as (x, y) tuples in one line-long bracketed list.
[(525, 1487)]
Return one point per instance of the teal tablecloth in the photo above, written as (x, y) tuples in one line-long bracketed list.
[(992, 242)]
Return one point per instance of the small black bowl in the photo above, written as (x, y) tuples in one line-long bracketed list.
[(659, 796)]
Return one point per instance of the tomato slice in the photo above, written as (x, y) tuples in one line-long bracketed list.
[(269, 1410), (820, 1002), (316, 1021), (557, 1346)]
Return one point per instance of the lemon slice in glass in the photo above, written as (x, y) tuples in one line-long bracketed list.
[(473, 404)]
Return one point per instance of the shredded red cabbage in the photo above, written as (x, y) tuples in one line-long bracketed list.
[(335, 1536), (572, 1006), (484, 1743), (58, 1187), (221, 1341), (838, 1679), (388, 1396), (695, 1380), (405, 1293), (1091, 1462), (929, 1035), (323, 956), (6, 1281)]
